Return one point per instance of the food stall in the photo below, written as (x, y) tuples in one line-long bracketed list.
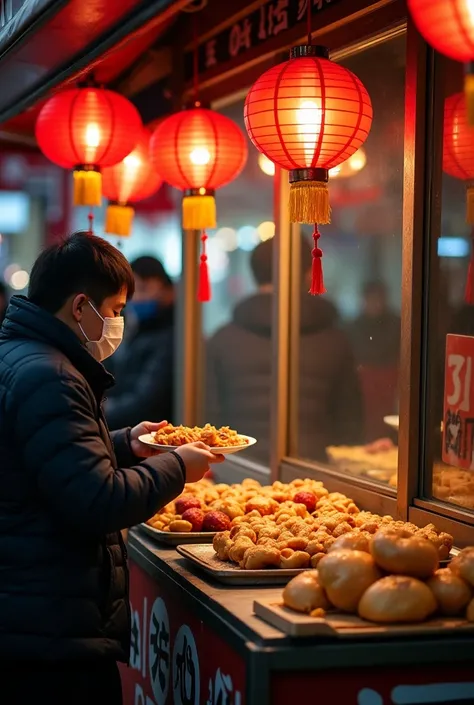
[(370, 392)]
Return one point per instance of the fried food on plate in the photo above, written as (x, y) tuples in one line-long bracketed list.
[(223, 437)]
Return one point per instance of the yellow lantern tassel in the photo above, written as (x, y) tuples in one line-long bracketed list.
[(470, 204), (309, 196), (118, 219), (469, 92), (87, 187), (199, 210)]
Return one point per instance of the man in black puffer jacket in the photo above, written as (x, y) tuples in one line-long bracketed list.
[(67, 486)]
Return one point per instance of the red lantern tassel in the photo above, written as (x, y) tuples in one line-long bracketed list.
[(469, 291), (317, 279), (204, 287)]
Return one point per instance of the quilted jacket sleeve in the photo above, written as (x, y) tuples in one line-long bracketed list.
[(64, 451)]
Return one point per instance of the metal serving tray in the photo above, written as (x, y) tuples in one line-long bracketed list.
[(175, 538), (204, 557)]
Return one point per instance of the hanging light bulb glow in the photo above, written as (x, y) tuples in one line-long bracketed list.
[(266, 165)]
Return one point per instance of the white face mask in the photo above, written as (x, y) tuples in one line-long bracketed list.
[(112, 334)]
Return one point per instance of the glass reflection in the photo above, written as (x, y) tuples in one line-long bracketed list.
[(348, 357)]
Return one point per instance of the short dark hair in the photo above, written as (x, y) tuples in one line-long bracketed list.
[(148, 267), (82, 263), (261, 260)]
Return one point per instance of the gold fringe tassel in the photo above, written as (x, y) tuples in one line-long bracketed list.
[(199, 212), (469, 93), (309, 202), (118, 220), (87, 188), (470, 204)]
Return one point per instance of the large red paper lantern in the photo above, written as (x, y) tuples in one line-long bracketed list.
[(448, 26), (198, 151), (308, 115), (458, 161), (129, 181), (85, 129)]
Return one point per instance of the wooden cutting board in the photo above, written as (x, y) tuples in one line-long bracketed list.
[(340, 625)]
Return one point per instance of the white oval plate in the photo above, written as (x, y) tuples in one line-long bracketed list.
[(392, 421), (147, 439)]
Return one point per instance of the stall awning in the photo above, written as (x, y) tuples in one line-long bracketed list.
[(45, 43)]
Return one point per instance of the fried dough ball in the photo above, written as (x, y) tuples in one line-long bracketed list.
[(238, 548), (397, 599), (346, 575), (351, 542), (315, 558), (462, 565), (259, 557), (221, 544), (399, 551), (263, 505), (180, 525), (294, 559), (243, 530), (304, 593), (452, 593), (226, 506)]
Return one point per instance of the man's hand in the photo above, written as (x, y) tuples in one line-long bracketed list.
[(140, 449), (197, 457)]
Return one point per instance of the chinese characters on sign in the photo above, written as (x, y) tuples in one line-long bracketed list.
[(458, 420), (186, 681), (262, 24), (159, 651), (221, 691)]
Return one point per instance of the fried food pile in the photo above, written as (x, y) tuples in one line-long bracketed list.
[(223, 437), (353, 578), (294, 525), (453, 485)]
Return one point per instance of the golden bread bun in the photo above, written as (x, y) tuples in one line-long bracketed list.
[(470, 611), (351, 542), (395, 599), (399, 551), (452, 593), (304, 593), (462, 565), (346, 575)]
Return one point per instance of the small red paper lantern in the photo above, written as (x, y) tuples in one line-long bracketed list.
[(458, 161), (84, 129), (308, 115), (448, 26), (198, 151), (131, 180)]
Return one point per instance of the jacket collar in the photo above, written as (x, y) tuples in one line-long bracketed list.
[(25, 320)]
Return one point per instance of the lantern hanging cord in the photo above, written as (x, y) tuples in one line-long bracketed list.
[(90, 218), (195, 59), (308, 17)]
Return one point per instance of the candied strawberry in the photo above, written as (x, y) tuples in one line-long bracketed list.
[(306, 498), (187, 501), (216, 521), (195, 517)]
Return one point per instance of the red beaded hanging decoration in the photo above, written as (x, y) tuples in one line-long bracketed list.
[(308, 115), (448, 26), (458, 161), (87, 128), (198, 151), (133, 179)]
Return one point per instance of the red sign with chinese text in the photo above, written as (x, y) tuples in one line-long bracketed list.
[(174, 657), (405, 685), (458, 418)]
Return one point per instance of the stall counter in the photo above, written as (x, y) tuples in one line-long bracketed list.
[(196, 642)]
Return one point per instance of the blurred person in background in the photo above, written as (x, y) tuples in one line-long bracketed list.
[(375, 337), (3, 301), (143, 366), (239, 367), (67, 486)]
